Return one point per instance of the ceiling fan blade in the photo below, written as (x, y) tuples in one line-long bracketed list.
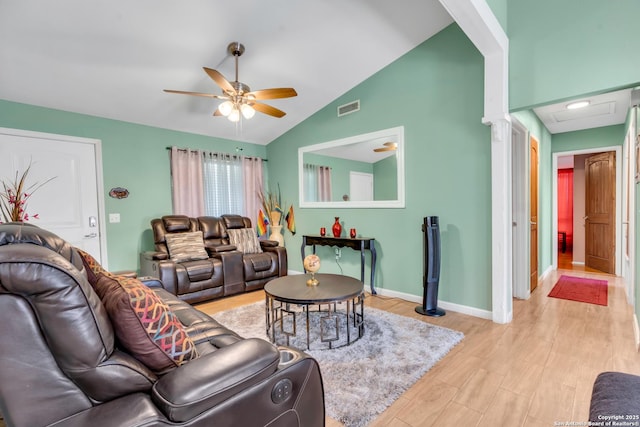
[(217, 113), (268, 109), (388, 146), (280, 92), (206, 95), (220, 80)]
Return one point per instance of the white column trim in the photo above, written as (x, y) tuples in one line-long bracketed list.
[(479, 23)]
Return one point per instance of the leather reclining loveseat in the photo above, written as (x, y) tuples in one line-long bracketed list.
[(83, 347), (233, 260)]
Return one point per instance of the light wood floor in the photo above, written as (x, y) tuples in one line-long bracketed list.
[(536, 370), (565, 261)]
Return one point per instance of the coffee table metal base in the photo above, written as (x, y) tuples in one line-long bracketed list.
[(330, 319)]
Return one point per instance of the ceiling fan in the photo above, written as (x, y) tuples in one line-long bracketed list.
[(238, 97), (387, 146)]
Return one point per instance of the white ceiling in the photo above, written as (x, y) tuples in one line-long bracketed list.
[(604, 110), (113, 58)]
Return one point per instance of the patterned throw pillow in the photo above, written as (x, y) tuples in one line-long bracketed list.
[(144, 325), (245, 240), (186, 246)]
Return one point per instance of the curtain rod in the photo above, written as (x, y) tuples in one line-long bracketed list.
[(237, 150)]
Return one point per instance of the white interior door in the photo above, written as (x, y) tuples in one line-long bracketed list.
[(360, 186), (520, 210), (68, 205)]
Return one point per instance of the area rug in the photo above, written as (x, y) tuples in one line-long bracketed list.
[(361, 380), (592, 291)]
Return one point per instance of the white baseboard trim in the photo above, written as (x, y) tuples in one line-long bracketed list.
[(458, 308), (636, 331), (545, 274), (577, 262)]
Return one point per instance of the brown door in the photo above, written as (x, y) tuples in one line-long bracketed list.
[(600, 202), (533, 217)]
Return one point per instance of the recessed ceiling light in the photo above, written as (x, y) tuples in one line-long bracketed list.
[(579, 104)]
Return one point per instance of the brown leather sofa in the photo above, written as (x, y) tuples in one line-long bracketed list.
[(227, 271), (62, 361)]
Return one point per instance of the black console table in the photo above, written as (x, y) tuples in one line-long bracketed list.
[(358, 243)]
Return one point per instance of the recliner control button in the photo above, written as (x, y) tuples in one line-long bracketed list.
[(282, 391)]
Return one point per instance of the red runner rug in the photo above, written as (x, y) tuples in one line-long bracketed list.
[(591, 291)]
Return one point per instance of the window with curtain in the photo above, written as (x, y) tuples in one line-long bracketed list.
[(223, 184), (216, 184)]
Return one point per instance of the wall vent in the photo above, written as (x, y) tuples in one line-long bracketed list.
[(349, 108)]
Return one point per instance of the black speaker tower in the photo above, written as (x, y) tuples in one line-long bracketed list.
[(431, 278)]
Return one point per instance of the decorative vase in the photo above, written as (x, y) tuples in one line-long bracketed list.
[(337, 227), (276, 234)]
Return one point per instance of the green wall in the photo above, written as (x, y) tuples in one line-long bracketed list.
[(385, 185), (499, 9), (564, 49), (606, 136), (134, 157), (436, 93)]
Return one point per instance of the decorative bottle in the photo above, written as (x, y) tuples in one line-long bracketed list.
[(337, 227)]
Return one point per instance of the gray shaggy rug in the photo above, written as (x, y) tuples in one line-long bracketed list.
[(361, 380)]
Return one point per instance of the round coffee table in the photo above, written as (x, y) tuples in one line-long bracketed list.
[(327, 321)]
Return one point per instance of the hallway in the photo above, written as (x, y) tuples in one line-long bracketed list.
[(565, 263)]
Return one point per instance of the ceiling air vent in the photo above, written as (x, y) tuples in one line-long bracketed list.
[(349, 108)]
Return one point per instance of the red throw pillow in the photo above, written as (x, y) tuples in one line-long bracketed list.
[(144, 325)]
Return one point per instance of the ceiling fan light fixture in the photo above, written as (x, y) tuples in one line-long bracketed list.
[(225, 108), (234, 115), (247, 111)]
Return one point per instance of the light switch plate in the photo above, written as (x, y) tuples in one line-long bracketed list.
[(114, 217)]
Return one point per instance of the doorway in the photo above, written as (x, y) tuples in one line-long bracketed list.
[(533, 212), (578, 244), (70, 204)]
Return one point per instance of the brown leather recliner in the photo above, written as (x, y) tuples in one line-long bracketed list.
[(191, 281), (226, 272), (61, 364)]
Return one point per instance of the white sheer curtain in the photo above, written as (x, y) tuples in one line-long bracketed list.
[(309, 181), (186, 182), (253, 183), (223, 184)]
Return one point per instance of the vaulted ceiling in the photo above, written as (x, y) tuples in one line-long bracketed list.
[(113, 59)]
